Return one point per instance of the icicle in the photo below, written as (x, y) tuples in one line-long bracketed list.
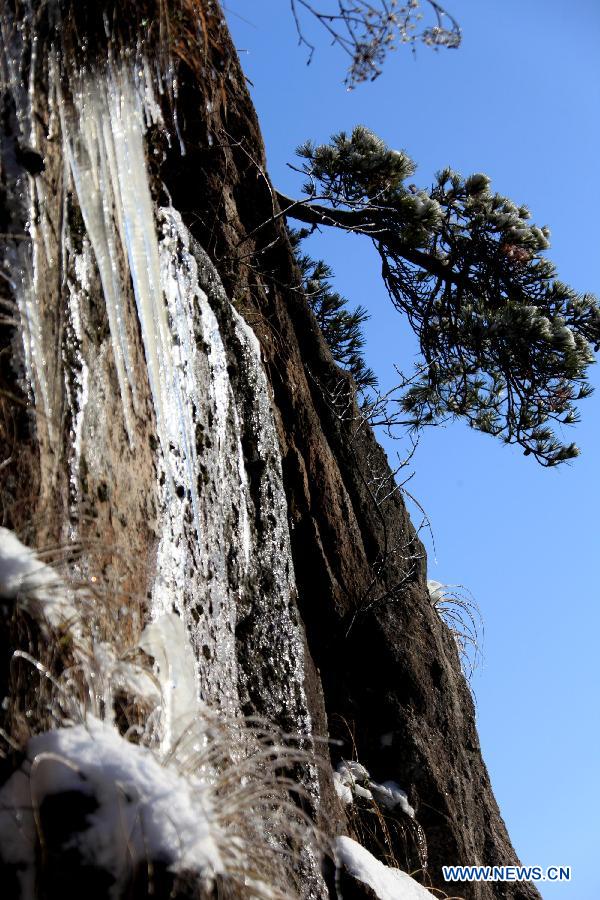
[(33, 345), (129, 176), (88, 156), (32, 263), (167, 641), (104, 138)]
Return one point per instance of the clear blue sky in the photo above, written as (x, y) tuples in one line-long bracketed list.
[(520, 101)]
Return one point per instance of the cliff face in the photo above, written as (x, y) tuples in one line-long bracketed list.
[(156, 449)]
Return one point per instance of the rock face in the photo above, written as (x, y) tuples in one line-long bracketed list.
[(173, 428)]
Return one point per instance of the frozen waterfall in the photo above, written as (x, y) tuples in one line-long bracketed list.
[(222, 627)]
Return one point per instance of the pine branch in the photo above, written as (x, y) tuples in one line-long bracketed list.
[(341, 326), (506, 345)]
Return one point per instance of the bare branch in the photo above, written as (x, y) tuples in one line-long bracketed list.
[(367, 31)]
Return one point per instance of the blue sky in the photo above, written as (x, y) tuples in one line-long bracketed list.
[(520, 101)]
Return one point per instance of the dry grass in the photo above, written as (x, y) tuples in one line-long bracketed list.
[(259, 778), (87, 32), (394, 838), (53, 673), (458, 609)]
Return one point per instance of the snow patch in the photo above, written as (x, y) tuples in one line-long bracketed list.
[(437, 590), (387, 883), (352, 780), (342, 789), (144, 810), (24, 577), (391, 795)]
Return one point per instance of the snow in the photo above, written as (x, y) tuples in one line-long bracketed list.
[(352, 780), (342, 789), (353, 770), (391, 795), (145, 810), (24, 577), (387, 883), (437, 590)]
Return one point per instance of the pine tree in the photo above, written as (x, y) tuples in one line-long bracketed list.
[(341, 326), (506, 345)]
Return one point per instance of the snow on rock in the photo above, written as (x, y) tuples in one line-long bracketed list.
[(342, 789), (352, 780), (143, 810), (437, 590), (391, 795), (23, 577), (387, 883)]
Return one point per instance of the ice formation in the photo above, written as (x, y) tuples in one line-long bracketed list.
[(232, 561), (167, 642), (204, 423), (34, 249), (32, 337), (223, 563), (202, 419), (103, 134), (90, 150)]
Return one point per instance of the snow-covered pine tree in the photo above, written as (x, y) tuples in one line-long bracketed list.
[(506, 345)]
